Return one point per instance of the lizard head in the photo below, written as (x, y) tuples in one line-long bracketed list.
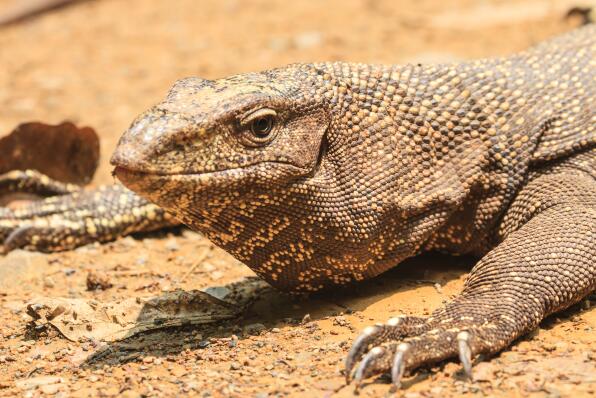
[(229, 133), (221, 155), (237, 123)]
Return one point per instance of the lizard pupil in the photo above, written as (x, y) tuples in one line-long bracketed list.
[(262, 126)]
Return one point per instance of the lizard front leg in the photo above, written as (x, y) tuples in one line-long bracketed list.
[(545, 263), (73, 217)]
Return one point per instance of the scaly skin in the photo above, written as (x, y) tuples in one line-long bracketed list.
[(324, 174), (71, 216)]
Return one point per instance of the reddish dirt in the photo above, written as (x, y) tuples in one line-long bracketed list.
[(102, 62)]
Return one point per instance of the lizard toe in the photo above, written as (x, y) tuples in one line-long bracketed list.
[(31, 181), (465, 352), (395, 328), (373, 363), (41, 238), (17, 238), (7, 223), (398, 366)]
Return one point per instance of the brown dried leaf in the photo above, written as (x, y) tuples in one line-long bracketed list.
[(81, 319), (63, 152)]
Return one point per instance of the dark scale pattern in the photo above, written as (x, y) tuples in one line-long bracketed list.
[(329, 173)]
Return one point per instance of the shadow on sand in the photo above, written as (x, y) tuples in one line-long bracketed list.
[(273, 308)]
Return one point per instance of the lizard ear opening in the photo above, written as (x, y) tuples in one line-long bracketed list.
[(323, 148)]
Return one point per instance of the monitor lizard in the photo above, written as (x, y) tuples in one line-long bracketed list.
[(324, 174)]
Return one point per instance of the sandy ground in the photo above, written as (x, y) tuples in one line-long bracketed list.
[(102, 62)]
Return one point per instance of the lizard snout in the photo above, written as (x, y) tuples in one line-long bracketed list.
[(153, 143)]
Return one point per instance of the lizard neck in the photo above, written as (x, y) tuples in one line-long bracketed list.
[(429, 147), (407, 143)]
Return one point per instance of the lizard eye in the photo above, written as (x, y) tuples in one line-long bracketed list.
[(261, 126), (258, 127)]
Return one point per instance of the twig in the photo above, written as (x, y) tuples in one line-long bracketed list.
[(198, 262), (24, 9)]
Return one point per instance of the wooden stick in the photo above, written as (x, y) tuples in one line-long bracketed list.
[(24, 9)]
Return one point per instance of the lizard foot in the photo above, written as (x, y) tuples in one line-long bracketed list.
[(73, 217), (395, 329), (464, 329)]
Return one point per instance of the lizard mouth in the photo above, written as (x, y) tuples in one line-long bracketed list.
[(133, 179), (122, 173), (136, 179), (174, 192)]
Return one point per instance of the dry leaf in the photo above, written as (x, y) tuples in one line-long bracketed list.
[(63, 152), (83, 319)]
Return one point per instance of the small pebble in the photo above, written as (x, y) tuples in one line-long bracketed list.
[(172, 245), (254, 328), (98, 281), (50, 389), (204, 344), (48, 282), (235, 366)]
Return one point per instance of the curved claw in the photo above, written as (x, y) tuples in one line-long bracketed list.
[(371, 335), (361, 372), (398, 368), (359, 348), (465, 352), (12, 241)]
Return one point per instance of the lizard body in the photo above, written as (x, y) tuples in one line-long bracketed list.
[(329, 173)]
